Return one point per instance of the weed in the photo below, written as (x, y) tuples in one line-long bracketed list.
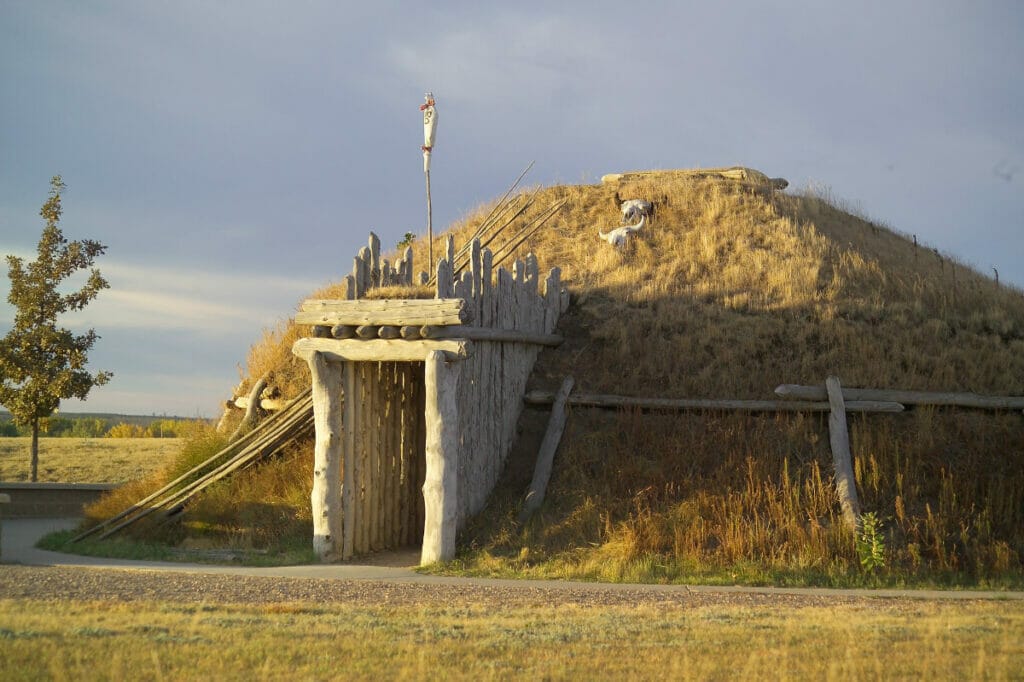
[(870, 543)]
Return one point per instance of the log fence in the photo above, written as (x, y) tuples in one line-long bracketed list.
[(830, 397)]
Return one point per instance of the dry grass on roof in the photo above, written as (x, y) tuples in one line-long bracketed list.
[(734, 289)]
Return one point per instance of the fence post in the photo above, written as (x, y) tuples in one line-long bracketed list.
[(839, 439)]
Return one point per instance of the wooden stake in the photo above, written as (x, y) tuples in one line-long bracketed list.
[(839, 438), (546, 456), (349, 486)]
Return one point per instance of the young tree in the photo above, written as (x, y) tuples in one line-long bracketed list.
[(41, 363)]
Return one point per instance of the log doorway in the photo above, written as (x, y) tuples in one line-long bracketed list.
[(384, 438)]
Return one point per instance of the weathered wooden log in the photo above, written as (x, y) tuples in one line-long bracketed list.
[(839, 439), (410, 332), (367, 331), (460, 288), (407, 273), (552, 299), (343, 331), (546, 455), (490, 334), (672, 404), (532, 271), (374, 246), (486, 289), (442, 459), (385, 312), (361, 272), (327, 458), (443, 284), (253, 411), (268, 404), (381, 350), (348, 489), (476, 270), (321, 332), (359, 464), (906, 397), (373, 478), (389, 331)]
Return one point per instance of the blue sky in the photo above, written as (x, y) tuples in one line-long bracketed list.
[(234, 155)]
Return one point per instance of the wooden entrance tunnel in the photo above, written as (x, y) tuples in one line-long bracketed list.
[(416, 400)]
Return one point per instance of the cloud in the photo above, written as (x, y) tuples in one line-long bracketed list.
[(164, 298)]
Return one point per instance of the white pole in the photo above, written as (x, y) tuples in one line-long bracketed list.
[(430, 226), (429, 130)]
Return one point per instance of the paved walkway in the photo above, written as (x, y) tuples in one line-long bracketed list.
[(20, 535)]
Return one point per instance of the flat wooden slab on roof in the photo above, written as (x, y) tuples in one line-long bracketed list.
[(403, 311)]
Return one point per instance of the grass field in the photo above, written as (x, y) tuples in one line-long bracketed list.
[(87, 460), (62, 639)]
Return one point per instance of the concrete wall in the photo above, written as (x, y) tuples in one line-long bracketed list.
[(50, 500)]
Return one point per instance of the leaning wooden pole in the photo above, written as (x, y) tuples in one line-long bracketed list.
[(839, 438), (440, 487), (327, 453), (546, 456)]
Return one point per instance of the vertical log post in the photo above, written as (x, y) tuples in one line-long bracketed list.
[(839, 438), (348, 489), (442, 458), (326, 498)]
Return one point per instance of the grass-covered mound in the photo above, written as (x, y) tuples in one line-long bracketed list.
[(729, 294), (731, 291)]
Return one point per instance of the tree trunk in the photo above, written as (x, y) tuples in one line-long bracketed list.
[(35, 450)]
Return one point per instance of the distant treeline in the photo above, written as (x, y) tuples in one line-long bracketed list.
[(109, 426)]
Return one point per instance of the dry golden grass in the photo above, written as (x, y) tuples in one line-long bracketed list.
[(151, 640), (265, 507), (87, 460), (731, 291)]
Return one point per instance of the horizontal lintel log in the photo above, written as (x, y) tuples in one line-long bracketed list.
[(619, 401), (490, 334), (905, 397), (381, 350), (384, 312)]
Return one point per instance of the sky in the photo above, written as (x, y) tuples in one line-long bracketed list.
[(233, 156)]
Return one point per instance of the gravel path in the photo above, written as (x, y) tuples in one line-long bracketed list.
[(55, 582), (87, 584)]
